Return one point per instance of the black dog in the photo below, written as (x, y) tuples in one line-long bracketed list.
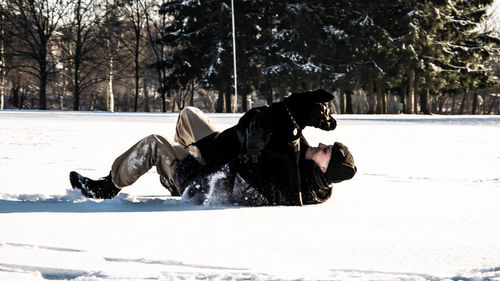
[(285, 120), (281, 122)]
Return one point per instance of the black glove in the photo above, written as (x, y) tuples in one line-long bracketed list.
[(256, 137)]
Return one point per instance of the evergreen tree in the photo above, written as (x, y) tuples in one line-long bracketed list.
[(286, 46), (443, 36), (291, 53), (467, 46), (200, 37)]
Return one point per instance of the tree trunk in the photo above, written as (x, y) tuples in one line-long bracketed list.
[(462, 105), (3, 77), (3, 72), (411, 91), (137, 30), (425, 96), (372, 99), (220, 102), (145, 90), (348, 101), (173, 100), (269, 93), (63, 89), (163, 98), (191, 94), (385, 102), (453, 103), (244, 101), (380, 98), (246, 98), (415, 95), (442, 101), (475, 102), (76, 75), (342, 101), (136, 63), (162, 91), (229, 108), (492, 104), (43, 74), (404, 87), (78, 53), (110, 97), (43, 87), (485, 105), (424, 102), (72, 75)]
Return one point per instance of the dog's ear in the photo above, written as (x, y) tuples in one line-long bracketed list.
[(317, 96)]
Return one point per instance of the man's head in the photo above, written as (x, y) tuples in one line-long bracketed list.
[(335, 161), (312, 108), (321, 155)]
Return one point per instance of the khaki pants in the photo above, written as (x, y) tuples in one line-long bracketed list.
[(155, 150)]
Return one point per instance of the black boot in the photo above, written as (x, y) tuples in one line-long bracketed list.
[(102, 188)]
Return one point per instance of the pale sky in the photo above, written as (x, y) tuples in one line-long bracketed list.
[(496, 16)]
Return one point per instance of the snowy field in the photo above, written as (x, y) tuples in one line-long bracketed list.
[(425, 205)]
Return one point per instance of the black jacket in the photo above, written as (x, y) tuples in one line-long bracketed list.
[(262, 158)]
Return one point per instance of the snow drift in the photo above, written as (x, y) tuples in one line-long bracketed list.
[(423, 206)]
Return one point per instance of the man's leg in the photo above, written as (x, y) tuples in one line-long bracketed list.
[(153, 150), (192, 125), (158, 151)]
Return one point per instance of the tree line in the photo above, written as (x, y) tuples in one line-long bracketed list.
[(388, 56), (80, 54)]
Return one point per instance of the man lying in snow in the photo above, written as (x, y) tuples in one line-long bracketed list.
[(262, 160)]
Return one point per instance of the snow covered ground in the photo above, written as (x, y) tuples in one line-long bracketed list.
[(423, 206)]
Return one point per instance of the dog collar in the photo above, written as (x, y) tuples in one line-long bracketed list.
[(296, 130)]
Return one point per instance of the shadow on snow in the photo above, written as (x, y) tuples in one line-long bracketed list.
[(123, 203)]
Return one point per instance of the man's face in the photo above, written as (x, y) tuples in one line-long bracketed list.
[(320, 155)]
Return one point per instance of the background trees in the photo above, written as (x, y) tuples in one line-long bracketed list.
[(80, 47), (31, 26), (387, 56)]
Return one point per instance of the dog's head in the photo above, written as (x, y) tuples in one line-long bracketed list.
[(312, 108)]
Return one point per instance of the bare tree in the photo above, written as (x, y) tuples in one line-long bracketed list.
[(135, 17), (111, 24), (3, 70), (32, 23), (80, 45), (154, 24)]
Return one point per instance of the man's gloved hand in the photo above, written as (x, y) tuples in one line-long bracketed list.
[(257, 139)]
